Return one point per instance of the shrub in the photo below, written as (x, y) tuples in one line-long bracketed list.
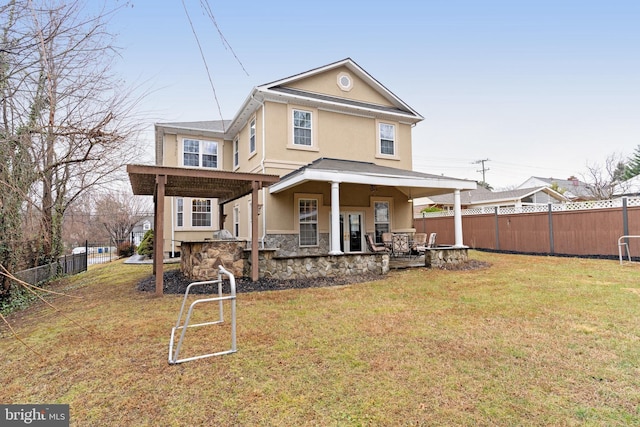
[(126, 249), (146, 246)]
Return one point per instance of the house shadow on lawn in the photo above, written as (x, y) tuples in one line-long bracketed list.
[(175, 282)]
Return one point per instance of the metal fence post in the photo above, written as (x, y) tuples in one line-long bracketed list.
[(625, 220), (497, 230), (551, 242)]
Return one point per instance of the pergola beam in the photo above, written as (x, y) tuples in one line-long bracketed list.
[(167, 181)]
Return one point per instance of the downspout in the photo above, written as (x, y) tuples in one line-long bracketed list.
[(262, 161), (173, 249)]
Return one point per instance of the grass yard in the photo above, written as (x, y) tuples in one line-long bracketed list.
[(528, 341)]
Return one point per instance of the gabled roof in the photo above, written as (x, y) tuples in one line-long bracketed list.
[(279, 92), (484, 196), (574, 187), (413, 184), (351, 65)]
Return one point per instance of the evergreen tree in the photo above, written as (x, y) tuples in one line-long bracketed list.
[(633, 165)]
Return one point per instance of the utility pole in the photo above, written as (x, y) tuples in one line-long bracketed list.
[(484, 169)]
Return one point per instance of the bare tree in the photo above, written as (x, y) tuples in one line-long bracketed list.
[(63, 109), (603, 181), (119, 212)]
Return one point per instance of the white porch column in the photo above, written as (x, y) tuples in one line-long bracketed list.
[(457, 219), (335, 219)]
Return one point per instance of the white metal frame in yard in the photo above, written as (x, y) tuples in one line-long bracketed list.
[(173, 355)]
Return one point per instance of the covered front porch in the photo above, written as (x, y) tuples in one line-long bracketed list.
[(356, 199)]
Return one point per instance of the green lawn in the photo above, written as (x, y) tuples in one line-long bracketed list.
[(527, 341)]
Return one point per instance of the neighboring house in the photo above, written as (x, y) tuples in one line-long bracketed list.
[(572, 188), (339, 140), (630, 187), (485, 199), (141, 227)]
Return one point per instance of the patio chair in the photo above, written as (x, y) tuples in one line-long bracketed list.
[(432, 240), (401, 244), (387, 240), (419, 244), (376, 247)]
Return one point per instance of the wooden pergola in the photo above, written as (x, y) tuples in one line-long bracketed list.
[(166, 181)]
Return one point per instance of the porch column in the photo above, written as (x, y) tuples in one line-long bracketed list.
[(457, 219), (335, 219)]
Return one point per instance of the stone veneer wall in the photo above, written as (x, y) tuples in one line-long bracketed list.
[(200, 260), (314, 266), (287, 244), (446, 255)]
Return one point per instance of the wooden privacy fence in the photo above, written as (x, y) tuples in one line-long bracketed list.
[(584, 229)]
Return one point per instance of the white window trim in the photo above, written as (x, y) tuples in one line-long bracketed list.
[(318, 199), (202, 227), (236, 153), (236, 221), (178, 211), (219, 156), (379, 153), (253, 125), (315, 146), (389, 202)]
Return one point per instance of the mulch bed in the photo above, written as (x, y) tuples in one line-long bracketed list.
[(176, 283)]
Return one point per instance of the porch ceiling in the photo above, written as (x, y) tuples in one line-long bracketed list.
[(200, 183), (413, 184)]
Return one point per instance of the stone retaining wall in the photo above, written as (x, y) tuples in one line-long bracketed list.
[(313, 266), (440, 257)]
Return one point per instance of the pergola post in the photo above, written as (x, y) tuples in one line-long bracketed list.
[(158, 238), (255, 186)]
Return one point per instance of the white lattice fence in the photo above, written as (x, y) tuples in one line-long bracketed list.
[(556, 207)]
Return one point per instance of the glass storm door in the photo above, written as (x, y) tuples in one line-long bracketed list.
[(351, 231)]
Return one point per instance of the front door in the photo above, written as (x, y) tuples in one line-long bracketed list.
[(351, 230)]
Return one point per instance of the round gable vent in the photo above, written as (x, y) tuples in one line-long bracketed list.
[(345, 82)]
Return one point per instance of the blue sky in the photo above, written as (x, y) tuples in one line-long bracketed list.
[(539, 87)]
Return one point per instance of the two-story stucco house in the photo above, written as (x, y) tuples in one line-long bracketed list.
[(339, 140)]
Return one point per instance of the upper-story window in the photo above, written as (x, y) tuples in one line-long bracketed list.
[(387, 139), (302, 128), (236, 153), (200, 153), (252, 136)]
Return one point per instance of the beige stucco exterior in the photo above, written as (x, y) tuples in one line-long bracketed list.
[(346, 107)]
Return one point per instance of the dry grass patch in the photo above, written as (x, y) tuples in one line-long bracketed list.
[(528, 341)]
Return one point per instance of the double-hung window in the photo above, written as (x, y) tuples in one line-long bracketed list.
[(200, 153), (180, 212), (236, 153), (201, 213), (302, 128), (308, 220), (387, 137), (236, 221), (252, 136), (381, 219)]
